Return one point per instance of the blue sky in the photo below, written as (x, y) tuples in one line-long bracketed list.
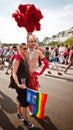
[(58, 16)]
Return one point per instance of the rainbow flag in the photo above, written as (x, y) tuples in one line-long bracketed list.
[(38, 101)]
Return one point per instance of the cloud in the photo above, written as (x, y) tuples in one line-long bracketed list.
[(56, 20), (10, 32)]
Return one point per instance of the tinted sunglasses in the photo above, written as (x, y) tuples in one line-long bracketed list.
[(24, 48)]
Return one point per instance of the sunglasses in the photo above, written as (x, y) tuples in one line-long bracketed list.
[(24, 48), (33, 41)]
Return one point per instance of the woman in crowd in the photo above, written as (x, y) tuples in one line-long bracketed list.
[(54, 59), (70, 60), (66, 54)]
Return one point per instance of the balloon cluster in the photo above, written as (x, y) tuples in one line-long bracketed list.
[(28, 16)]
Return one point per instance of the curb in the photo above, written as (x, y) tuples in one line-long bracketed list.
[(60, 77), (64, 76), (62, 66)]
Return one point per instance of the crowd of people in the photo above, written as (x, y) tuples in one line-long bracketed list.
[(23, 60), (54, 54), (59, 55)]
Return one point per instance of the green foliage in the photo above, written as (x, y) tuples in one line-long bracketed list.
[(69, 41), (54, 43), (41, 44), (9, 44)]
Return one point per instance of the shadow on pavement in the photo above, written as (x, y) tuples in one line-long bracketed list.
[(5, 123), (7, 104), (35, 128), (69, 73), (46, 124)]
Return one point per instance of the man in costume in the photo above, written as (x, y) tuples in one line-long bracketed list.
[(32, 58)]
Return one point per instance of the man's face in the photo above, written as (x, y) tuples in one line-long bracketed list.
[(32, 44)]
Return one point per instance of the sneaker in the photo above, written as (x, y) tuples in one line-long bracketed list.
[(28, 124), (7, 73), (49, 72), (19, 115), (59, 73), (30, 113), (65, 71), (1, 68)]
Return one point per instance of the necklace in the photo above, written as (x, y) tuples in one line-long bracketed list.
[(31, 53)]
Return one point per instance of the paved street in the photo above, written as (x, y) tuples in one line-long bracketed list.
[(58, 110), (68, 76)]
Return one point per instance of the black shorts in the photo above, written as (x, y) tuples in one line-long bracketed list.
[(22, 95), (65, 56)]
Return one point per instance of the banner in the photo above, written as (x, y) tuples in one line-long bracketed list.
[(38, 101)]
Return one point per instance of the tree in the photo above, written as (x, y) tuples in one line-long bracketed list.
[(69, 41)]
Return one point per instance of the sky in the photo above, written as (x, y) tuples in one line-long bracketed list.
[(58, 16)]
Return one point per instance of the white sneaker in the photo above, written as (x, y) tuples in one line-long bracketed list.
[(28, 124), (30, 113), (19, 115)]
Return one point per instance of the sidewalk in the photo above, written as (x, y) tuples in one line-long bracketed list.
[(68, 76)]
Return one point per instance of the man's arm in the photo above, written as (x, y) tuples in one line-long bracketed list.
[(45, 64)]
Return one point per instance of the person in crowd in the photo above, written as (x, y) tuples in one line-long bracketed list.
[(47, 52), (1, 57), (1, 64), (70, 60), (8, 57), (61, 56), (66, 54), (54, 57), (20, 69)]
